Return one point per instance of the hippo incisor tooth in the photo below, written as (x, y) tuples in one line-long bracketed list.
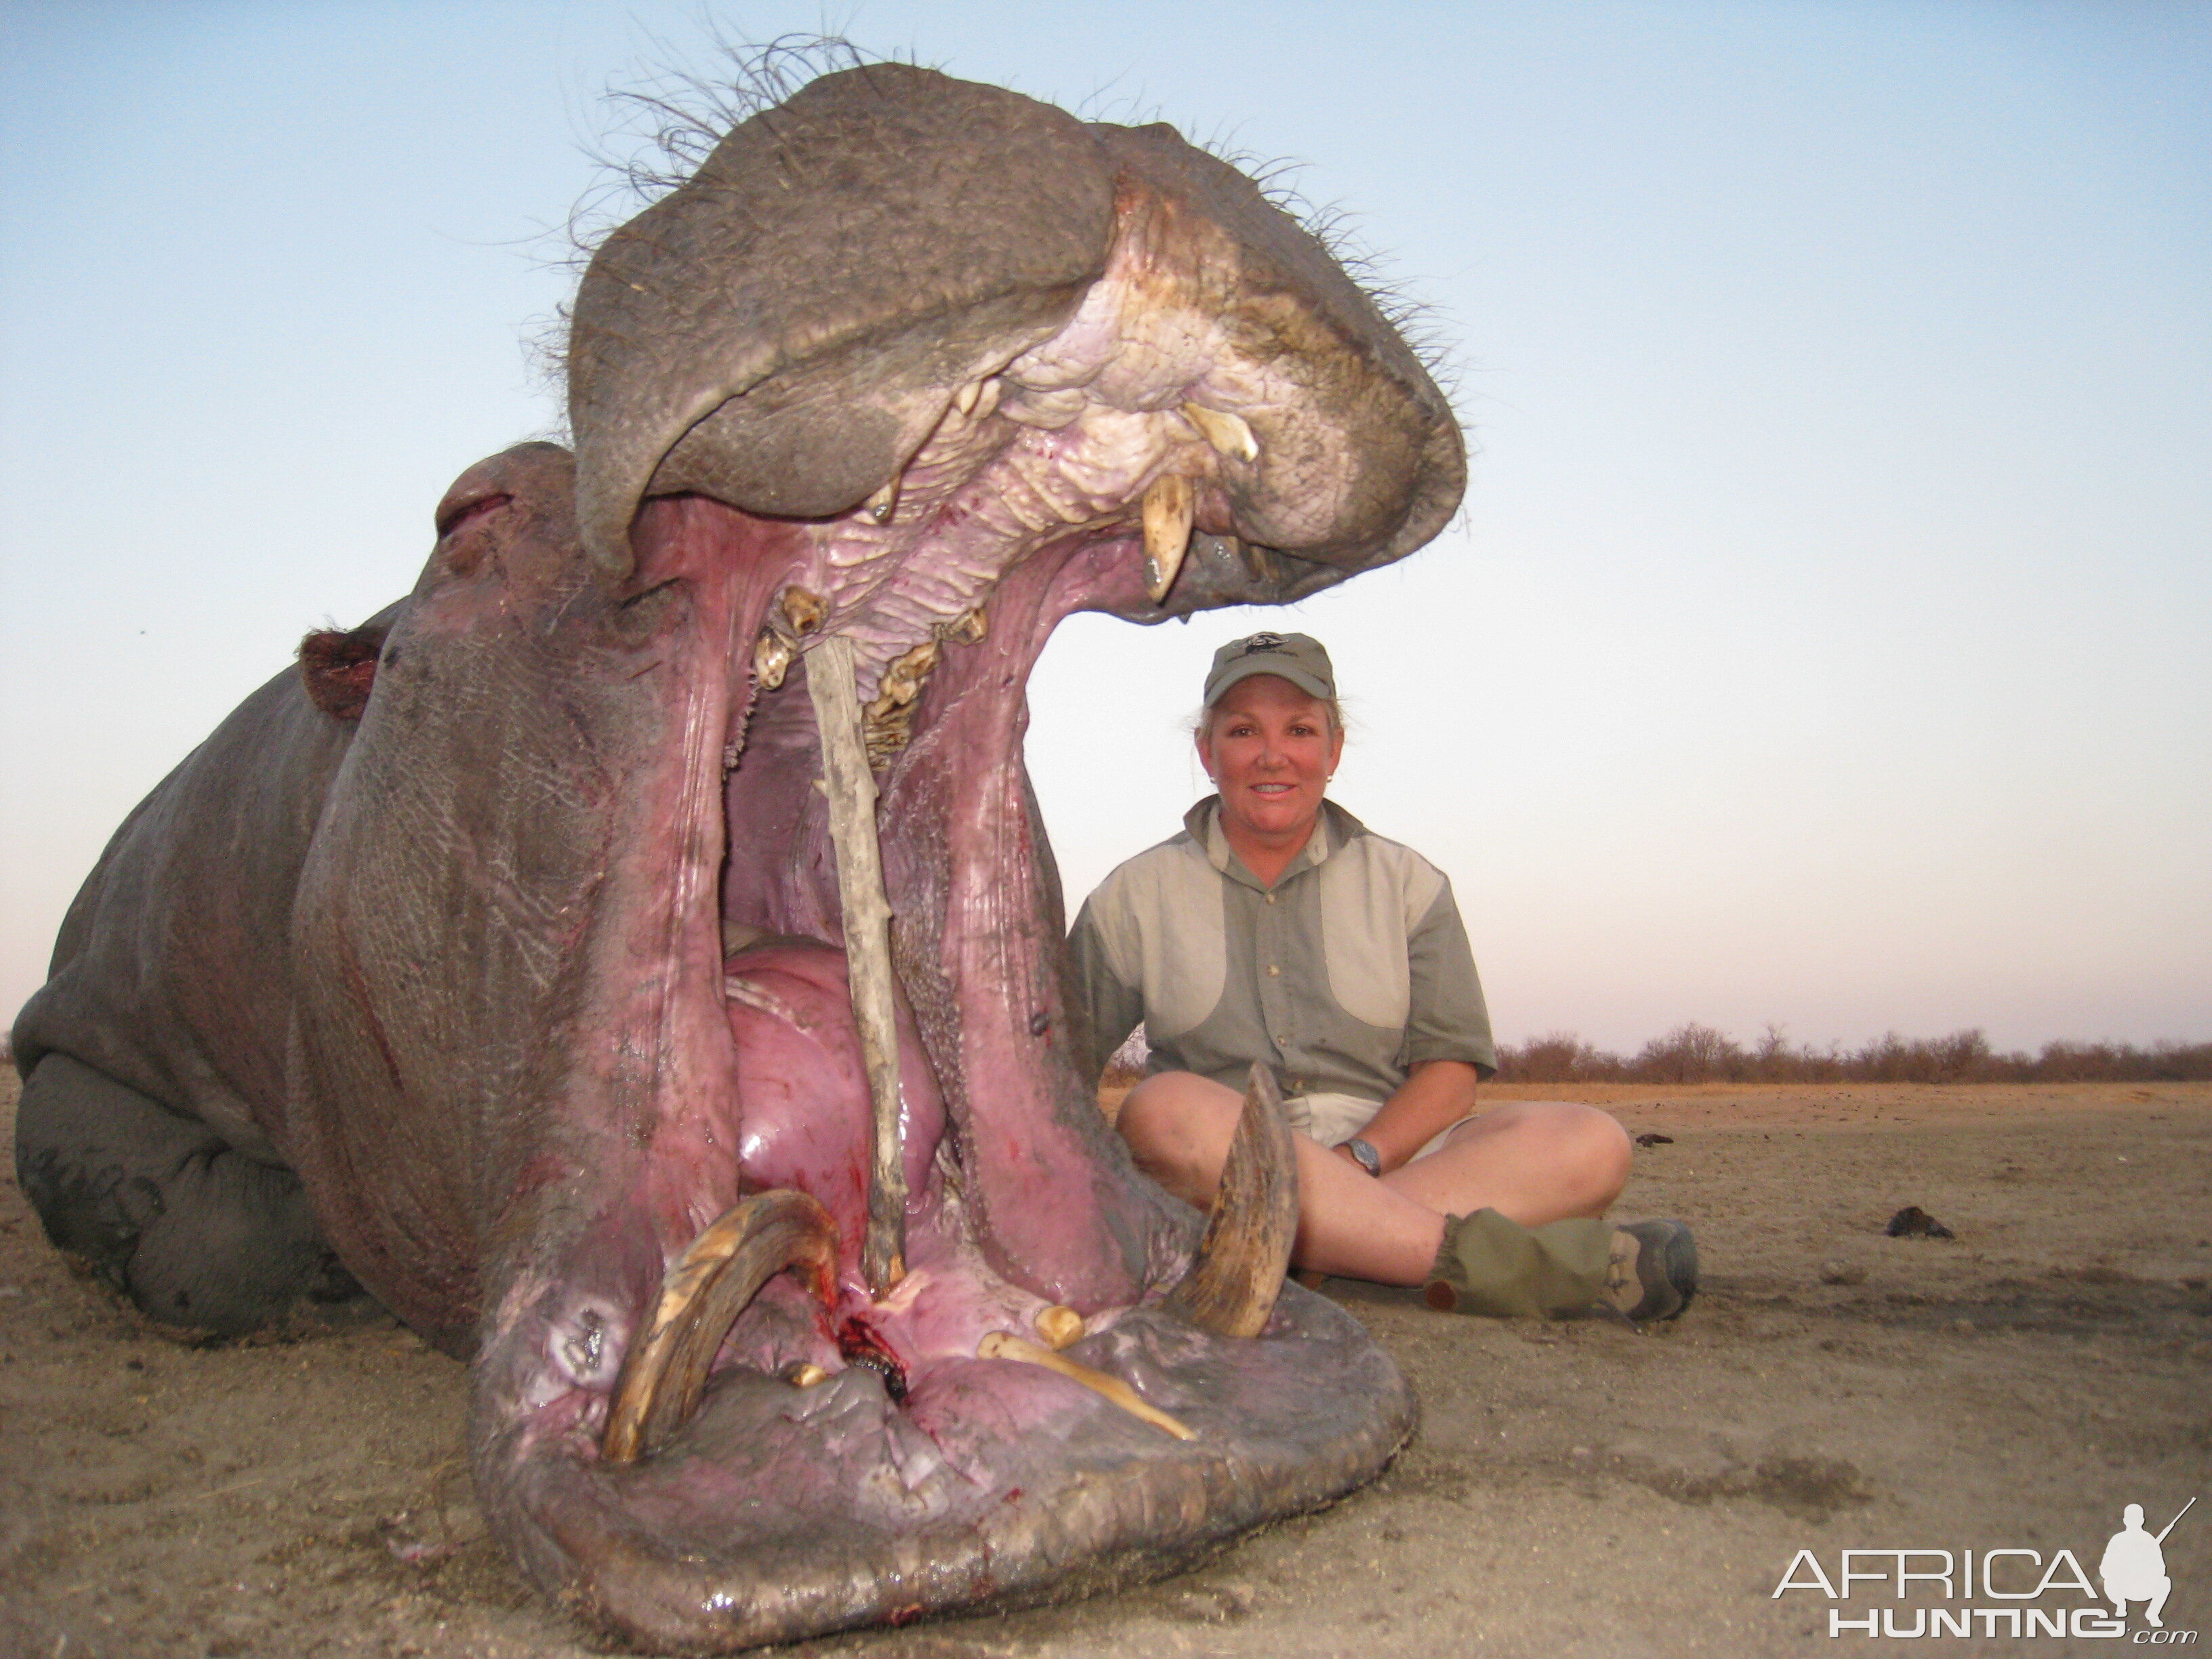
[(772, 655), (1060, 1325), (850, 788), (1233, 1279), (803, 1374), (884, 501), (665, 1372), (1227, 433), (1112, 1389), (1169, 506)]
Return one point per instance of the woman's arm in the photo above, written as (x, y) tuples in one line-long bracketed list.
[(1436, 1094), (1108, 1009)]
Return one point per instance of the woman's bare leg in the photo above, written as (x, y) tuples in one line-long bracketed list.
[(1532, 1161)]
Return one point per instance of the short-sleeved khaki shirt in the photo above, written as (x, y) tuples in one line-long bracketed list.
[(1352, 968)]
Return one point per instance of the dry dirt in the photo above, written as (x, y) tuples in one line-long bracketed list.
[(1575, 1489)]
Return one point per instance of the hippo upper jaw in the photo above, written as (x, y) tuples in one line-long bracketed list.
[(919, 368)]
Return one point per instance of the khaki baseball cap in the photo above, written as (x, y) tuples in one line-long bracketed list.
[(1298, 658)]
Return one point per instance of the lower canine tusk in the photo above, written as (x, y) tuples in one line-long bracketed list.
[(1233, 1279), (665, 1372), (850, 788), (1112, 1389), (1169, 506)]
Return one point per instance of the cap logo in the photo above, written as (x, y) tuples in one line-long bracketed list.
[(1262, 642)]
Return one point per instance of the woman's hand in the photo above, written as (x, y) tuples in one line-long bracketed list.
[(1436, 1094)]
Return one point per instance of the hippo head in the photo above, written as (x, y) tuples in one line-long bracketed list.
[(737, 1129)]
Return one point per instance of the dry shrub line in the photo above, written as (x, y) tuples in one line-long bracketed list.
[(1692, 1052)]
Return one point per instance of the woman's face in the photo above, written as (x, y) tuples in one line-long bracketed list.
[(1270, 750)]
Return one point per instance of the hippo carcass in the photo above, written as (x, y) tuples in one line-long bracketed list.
[(533, 955)]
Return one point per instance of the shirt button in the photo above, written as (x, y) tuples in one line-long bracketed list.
[(1271, 898), (1274, 972)]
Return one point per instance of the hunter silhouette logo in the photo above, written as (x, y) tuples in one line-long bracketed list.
[(2010, 1586), (2134, 1565)]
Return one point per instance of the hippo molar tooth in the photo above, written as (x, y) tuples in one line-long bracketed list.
[(772, 655)]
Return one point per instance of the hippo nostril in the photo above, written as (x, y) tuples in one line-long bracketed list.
[(665, 1372)]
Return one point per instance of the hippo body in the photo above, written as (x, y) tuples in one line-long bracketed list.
[(506, 959)]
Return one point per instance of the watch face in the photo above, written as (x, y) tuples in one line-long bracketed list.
[(1369, 1159)]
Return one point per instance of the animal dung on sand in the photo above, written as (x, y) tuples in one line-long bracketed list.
[(1913, 1222)]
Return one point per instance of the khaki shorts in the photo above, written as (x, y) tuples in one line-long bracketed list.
[(1335, 1119)]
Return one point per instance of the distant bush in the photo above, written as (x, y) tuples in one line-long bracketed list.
[(1698, 1054)]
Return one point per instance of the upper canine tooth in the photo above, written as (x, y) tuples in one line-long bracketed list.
[(1227, 433), (1169, 506), (884, 501)]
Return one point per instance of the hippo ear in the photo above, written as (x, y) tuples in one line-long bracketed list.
[(339, 668)]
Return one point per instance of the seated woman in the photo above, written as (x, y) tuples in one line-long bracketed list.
[(1277, 928)]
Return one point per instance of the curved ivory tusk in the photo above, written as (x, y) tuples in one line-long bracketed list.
[(665, 1372), (997, 1345), (1233, 1279)]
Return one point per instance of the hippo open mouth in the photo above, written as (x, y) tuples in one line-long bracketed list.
[(679, 1019)]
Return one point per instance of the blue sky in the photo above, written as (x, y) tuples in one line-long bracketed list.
[(1825, 641)]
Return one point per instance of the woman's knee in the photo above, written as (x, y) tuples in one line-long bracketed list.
[(1587, 1149), (1167, 1120), (1595, 1146)]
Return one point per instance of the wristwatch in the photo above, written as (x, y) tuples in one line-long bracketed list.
[(1369, 1159)]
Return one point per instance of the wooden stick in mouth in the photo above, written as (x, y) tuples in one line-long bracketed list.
[(850, 787)]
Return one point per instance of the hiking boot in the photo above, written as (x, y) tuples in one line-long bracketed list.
[(1651, 1273)]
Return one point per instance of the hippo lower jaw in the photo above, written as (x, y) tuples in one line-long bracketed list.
[(912, 1475)]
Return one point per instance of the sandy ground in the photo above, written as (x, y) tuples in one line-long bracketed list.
[(1575, 1489)]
